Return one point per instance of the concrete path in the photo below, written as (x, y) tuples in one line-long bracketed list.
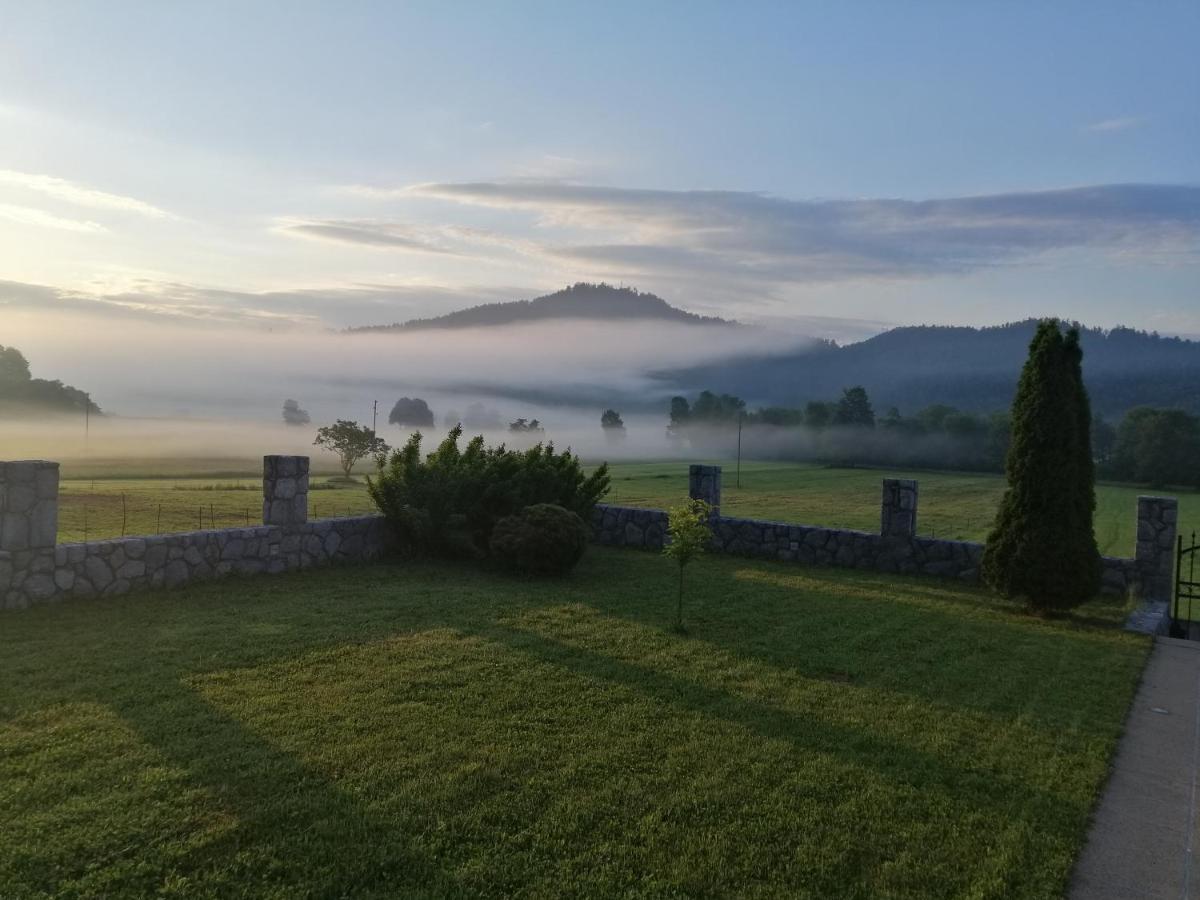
[(1144, 839)]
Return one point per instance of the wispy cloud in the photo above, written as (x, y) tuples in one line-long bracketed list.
[(27, 215), (80, 195), (738, 236), (365, 232), (1119, 124), (311, 307)]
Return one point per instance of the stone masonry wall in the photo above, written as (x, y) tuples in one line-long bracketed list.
[(34, 570), (897, 548)]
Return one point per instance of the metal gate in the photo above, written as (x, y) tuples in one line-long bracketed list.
[(1187, 590)]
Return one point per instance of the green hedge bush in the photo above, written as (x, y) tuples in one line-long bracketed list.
[(448, 502), (542, 539)]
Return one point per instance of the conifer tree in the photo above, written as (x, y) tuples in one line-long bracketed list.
[(1042, 546)]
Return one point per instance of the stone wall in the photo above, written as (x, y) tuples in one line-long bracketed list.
[(897, 548), (34, 570)]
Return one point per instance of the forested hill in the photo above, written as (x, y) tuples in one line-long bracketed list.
[(579, 301), (969, 368), (21, 393)]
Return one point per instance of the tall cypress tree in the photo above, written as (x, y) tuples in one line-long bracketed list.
[(1042, 546)]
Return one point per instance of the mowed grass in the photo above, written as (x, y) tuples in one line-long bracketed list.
[(952, 505), (426, 729)]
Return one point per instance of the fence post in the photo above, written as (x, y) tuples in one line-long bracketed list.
[(1157, 520), (898, 510), (285, 490), (28, 531), (704, 483)]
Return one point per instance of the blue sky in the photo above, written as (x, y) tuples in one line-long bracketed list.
[(344, 164)]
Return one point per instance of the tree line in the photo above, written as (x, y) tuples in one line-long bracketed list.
[(20, 391), (1148, 445)]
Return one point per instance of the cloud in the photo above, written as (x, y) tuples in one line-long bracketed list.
[(743, 236), (80, 195), (315, 307), (1118, 124), (365, 232), (27, 215)]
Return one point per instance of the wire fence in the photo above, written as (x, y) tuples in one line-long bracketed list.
[(103, 516)]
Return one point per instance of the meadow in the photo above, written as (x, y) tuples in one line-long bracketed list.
[(429, 729), (190, 494)]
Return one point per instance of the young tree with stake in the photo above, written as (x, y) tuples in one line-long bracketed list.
[(687, 527)]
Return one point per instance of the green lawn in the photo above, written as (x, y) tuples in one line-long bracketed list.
[(953, 505), (437, 730)]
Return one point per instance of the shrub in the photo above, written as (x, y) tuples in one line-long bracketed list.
[(449, 502), (543, 539)]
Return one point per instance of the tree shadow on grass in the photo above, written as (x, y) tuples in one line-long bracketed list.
[(295, 830), (946, 645), (898, 762)]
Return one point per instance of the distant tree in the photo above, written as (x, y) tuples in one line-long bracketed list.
[(1158, 447), (688, 535), (854, 409), (933, 417), (451, 418), (522, 426), (351, 442), (1043, 546), (711, 409), (14, 367), (778, 416), (681, 415), (612, 424), (818, 414), (411, 413), (1104, 439), (294, 415)]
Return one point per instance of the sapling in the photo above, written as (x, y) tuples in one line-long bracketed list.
[(688, 536)]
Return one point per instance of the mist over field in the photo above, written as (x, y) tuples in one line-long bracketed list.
[(199, 391)]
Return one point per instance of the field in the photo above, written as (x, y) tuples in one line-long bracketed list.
[(437, 730), (952, 505)]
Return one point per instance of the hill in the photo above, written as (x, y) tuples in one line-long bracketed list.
[(973, 369), (21, 393), (579, 301)]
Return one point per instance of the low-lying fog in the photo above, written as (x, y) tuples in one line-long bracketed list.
[(172, 390)]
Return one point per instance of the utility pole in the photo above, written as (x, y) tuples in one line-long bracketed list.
[(739, 457), (374, 414)]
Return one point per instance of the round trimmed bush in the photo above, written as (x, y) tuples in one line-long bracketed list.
[(542, 539)]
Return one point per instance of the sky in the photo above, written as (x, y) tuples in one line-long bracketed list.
[(844, 166)]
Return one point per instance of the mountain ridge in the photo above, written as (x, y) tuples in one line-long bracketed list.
[(579, 301), (974, 369)]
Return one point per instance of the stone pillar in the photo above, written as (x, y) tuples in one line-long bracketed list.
[(898, 512), (28, 531), (1157, 518), (704, 483), (285, 490)]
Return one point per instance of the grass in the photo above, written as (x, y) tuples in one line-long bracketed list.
[(952, 505), (433, 730)]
